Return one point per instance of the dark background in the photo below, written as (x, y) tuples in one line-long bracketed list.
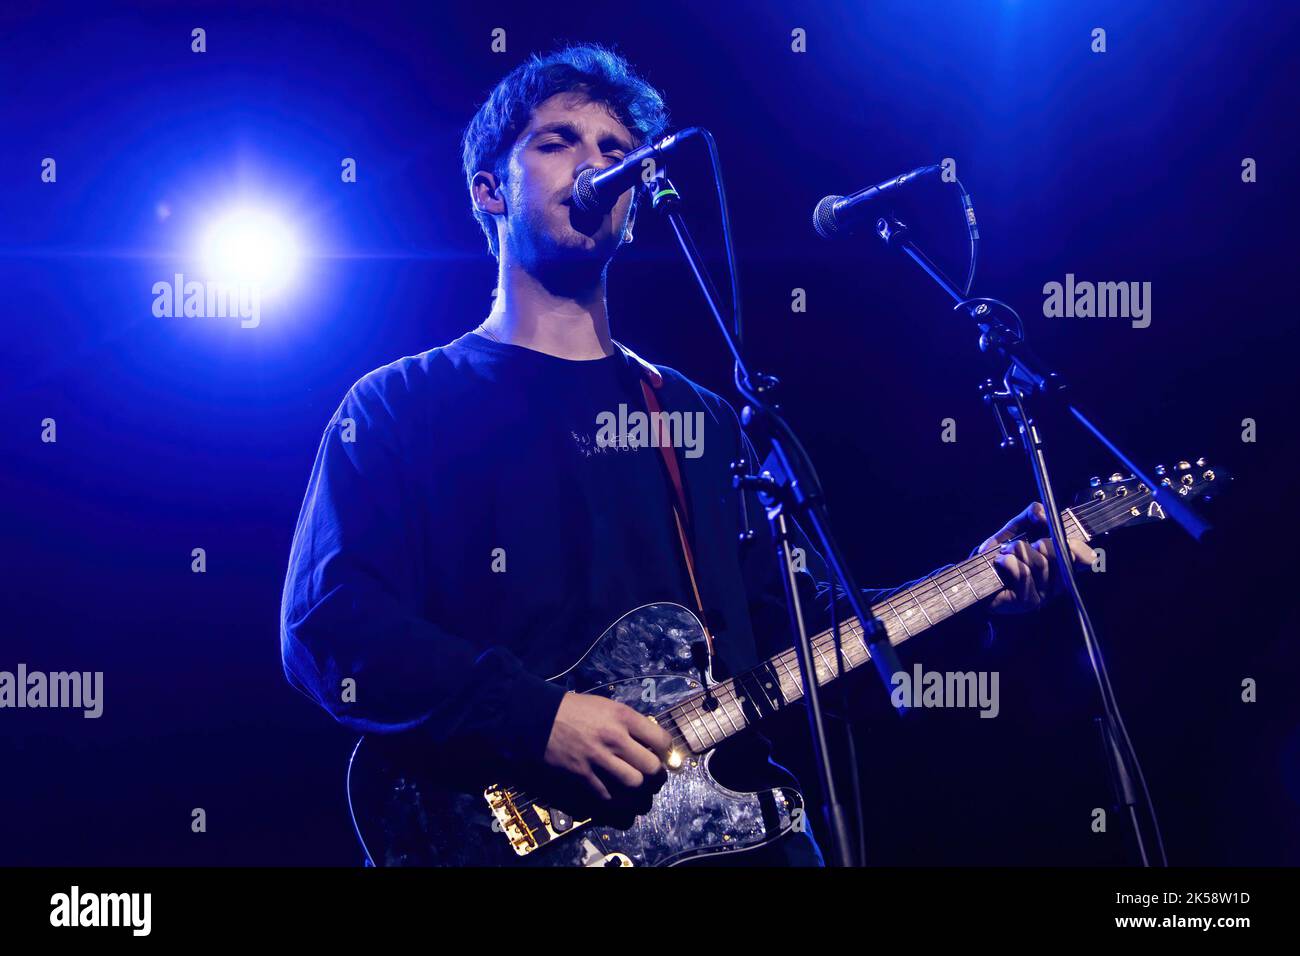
[(183, 433)]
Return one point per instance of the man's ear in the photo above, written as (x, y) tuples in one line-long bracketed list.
[(486, 193)]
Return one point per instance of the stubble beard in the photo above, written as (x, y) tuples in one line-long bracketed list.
[(564, 263)]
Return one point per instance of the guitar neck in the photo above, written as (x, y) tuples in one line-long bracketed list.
[(752, 696)]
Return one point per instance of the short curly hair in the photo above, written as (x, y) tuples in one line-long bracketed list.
[(588, 68)]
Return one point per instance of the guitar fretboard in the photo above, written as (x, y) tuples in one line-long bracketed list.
[(740, 701)]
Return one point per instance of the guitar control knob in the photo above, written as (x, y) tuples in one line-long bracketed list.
[(1184, 466), (1094, 482), (1200, 463), (1099, 494), (1188, 479), (1209, 475), (1116, 477)]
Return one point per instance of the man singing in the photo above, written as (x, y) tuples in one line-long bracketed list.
[(466, 533)]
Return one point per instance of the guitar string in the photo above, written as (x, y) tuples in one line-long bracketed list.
[(692, 706), (725, 694), (823, 643)]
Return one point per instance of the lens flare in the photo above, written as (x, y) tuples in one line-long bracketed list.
[(253, 247)]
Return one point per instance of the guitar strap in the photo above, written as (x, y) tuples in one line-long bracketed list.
[(651, 378)]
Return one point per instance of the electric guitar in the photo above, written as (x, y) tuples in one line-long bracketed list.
[(408, 810)]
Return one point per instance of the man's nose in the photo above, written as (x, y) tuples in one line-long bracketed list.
[(591, 158)]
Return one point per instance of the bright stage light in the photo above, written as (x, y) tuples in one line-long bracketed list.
[(249, 246)]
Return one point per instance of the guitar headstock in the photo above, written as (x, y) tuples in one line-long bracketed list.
[(1118, 502)]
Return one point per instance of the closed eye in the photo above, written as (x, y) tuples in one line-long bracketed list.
[(616, 156)]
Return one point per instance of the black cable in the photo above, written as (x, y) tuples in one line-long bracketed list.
[(968, 214)]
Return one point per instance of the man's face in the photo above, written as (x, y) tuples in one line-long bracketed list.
[(566, 134)]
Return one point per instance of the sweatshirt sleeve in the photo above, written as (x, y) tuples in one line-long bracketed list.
[(355, 635)]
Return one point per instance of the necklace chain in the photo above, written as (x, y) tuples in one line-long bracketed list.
[(488, 332)]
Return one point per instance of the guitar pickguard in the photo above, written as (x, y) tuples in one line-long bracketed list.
[(645, 661)]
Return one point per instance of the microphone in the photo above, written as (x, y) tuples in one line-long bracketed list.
[(837, 216), (597, 189)]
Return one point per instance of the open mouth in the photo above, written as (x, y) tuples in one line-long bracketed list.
[(588, 222)]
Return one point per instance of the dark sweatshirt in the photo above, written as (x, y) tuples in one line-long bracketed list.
[(468, 531)]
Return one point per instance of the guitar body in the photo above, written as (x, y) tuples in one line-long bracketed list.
[(407, 813)]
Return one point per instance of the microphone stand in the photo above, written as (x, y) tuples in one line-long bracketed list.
[(1027, 378), (797, 492)]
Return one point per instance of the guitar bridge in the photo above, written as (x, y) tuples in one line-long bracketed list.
[(527, 825)]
